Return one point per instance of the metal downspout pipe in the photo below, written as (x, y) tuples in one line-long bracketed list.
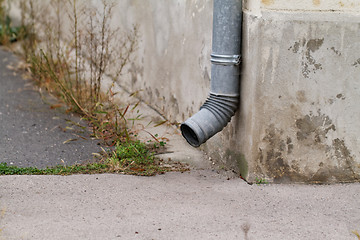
[(223, 101)]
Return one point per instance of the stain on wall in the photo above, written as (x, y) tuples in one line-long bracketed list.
[(316, 2), (237, 159), (136, 73), (277, 161), (267, 2), (306, 48), (300, 96), (273, 155), (339, 96), (312, 129), (356, 63), (344, 156), (337, 52), (346, 168), (175, 106)]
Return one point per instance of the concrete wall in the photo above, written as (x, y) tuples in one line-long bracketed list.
[(297, 119), (300, 88), (172, 64)]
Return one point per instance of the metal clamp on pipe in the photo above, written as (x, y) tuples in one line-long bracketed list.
[(226, 60)]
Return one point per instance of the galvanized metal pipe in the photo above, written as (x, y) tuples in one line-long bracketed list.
[(223, 101)]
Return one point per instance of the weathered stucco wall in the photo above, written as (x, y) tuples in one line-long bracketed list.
[(297, 121), (172, 64)]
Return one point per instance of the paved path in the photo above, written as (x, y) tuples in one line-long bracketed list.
[(195, 205), (199, 204)]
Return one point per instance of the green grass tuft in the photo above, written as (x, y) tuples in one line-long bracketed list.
[(134, 157), (259, 181), (5, 169), (131, 157)]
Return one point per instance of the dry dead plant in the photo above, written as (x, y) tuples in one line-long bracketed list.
[(72, 64)]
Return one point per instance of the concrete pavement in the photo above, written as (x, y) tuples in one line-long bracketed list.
[(200, 204), (192, 205)]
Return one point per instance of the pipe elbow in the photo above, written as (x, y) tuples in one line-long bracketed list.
[(213, 116), (223, 101)]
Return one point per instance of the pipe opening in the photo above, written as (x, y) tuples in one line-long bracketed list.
[(190, 135)]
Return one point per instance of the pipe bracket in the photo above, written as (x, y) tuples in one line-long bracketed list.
[(226, 60)]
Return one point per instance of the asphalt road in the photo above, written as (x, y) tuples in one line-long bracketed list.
[(32, 134)]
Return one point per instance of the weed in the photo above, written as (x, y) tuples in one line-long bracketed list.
[(29, 14), (135, 158), (8, 33), (71, 65), (157, 142), (60, 65), (259, 181), (357, 234), (5, 169)]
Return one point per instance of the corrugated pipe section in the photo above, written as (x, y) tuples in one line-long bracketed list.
[(223, 101)]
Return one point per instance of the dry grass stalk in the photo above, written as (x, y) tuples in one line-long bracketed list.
[(72, 65)]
